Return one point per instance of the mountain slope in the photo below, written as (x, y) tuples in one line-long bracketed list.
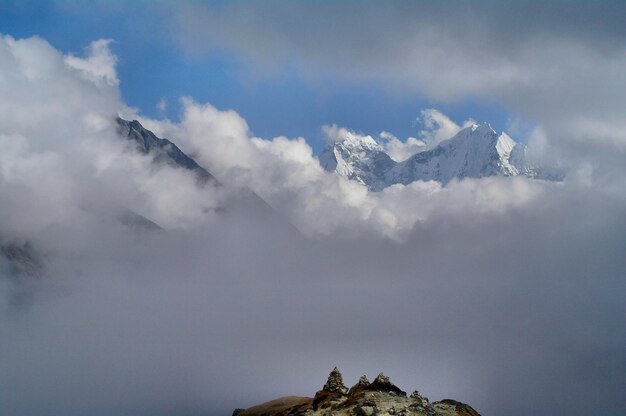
[(162, 150), (474, 152)]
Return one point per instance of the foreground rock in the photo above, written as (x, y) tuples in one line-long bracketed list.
[(378, 398)]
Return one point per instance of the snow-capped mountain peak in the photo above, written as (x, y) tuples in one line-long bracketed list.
[(476, 151), (359, 158), (354, 141), (485, 127)]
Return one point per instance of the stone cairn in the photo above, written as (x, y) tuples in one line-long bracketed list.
[(422, 400), (382, 383), (334, 384), (422, 403), (382, 379), (362, 384)]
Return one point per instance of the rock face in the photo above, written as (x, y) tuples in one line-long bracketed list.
[(378, 398)]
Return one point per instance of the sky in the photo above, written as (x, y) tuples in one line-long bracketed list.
[(505, 292), (154, 65)]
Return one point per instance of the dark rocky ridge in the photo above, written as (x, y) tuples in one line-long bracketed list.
[(162, 150), (378, 398)]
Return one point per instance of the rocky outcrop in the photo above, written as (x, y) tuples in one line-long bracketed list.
[(379, 398), (454, 408)]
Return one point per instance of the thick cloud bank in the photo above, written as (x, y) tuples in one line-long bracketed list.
[(504, 293)]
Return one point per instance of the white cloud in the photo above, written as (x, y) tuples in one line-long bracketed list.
[(288, 176), (60, 158), (438, 127), (282, 171), (334, 133), (99, 64), (400, 150), (162, 105)]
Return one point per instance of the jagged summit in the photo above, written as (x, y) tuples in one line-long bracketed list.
[(476, 151), (378, 398)]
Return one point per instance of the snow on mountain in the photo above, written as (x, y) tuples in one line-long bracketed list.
[(359, 158), (476, 151)]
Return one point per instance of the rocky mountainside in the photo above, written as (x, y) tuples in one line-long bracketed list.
[(161, 150), (474, 152), (378, 398)]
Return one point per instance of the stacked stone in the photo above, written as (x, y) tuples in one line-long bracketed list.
[(422, 403), (362, 384), (382, 383), (334, 384), (382, 379), (417, 397)]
